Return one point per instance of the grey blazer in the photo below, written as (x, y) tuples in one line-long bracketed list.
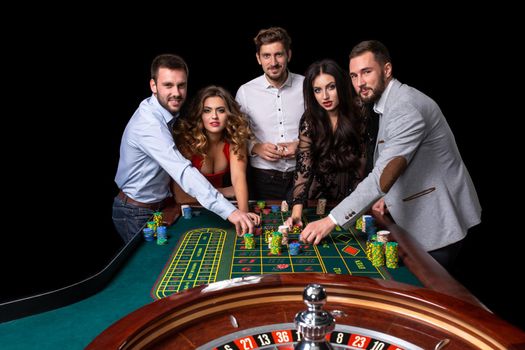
[(419, 171)]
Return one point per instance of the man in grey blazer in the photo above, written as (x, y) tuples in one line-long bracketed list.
[(418, 175)]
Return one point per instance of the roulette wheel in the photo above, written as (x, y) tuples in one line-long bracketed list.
[(259, 312)]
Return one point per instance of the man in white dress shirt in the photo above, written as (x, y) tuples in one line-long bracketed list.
[(149, 157), (274, 105)]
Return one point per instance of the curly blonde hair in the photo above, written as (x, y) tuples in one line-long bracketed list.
[(190, 135)]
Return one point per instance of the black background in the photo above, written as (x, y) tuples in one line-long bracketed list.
[(77, 94)]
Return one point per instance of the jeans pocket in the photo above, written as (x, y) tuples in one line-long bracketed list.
[(129, 220), (121, 226)]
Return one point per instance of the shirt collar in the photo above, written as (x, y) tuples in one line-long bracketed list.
[(168, 117), (288, 82), (379, 106)]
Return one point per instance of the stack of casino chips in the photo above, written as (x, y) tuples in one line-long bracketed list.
[(267, 236), (368, 249), (391, 255), (284, 231), (162, 237), (383, 236), (148, 234), (276, 242), (368, 225), (294, 248), (249, 241), (378, 254), (321, 206), (153, 226), (359, 224), (157, 217)]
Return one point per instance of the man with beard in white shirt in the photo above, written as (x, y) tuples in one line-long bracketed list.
[(274, 105)]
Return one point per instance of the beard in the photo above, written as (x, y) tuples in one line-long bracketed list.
[(377, 92), (164, 102), (280, 76)]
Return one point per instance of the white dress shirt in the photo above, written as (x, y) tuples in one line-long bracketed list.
[(274, 115)]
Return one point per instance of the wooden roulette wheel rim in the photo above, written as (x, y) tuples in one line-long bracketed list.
[(420, 316)]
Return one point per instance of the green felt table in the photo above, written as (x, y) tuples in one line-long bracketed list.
[(208, 250), (200, 250)]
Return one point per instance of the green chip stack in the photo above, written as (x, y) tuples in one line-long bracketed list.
[(378, 254), (391, 255), (275, 244), (275, 250), (153, 226), (249, 242), (162, 237), (359, 224)]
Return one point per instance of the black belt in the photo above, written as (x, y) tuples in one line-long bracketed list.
[(274, 173)]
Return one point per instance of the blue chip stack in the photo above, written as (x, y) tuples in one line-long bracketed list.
[(162, 237), (148, 234), (369, 226)]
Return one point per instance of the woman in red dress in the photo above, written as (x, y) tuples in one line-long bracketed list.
[(214, 136)]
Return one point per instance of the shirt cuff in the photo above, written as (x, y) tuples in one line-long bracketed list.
[(332, 218), (227, 210)]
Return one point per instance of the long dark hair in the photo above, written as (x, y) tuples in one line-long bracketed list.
[(339, 150)]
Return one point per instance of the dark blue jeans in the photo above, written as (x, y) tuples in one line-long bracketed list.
[(129, 219)]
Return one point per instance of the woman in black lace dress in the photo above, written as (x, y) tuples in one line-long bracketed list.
[(330, 155)]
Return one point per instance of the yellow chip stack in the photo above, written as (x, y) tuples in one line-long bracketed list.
[(392, 258), (378, 254), (275, 244), (157, 217), (267, 235), (359, 224), (249, 241), (368, 250)]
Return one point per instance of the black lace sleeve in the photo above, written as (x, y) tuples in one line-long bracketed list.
[(303, 172)]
